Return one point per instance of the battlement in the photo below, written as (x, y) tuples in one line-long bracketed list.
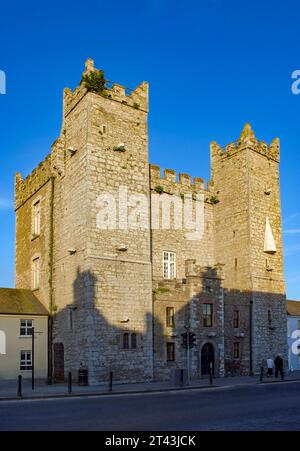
[(24, 188), (136, 98), (247, 139), (172, 183)]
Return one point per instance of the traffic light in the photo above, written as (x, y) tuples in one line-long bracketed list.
[(184, 340), (192, 340)]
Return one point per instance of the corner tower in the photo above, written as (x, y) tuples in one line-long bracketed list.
[(93, 269), (248, 240)]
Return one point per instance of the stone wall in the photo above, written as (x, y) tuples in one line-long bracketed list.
[(98, 280)]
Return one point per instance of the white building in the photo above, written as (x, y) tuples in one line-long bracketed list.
[(20, 311)]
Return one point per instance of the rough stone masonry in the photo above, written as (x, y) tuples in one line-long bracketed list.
[(120, 299)]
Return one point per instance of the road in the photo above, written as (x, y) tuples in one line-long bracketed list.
[(255, 407)]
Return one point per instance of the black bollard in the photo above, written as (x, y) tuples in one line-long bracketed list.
[(261, 374), (69, 382), (110, 381), (181, 377), (20, 386), (210, 373)]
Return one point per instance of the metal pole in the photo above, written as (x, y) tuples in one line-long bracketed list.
[(188, 355), (69, 382), (210, 373), (32, 358), (261, 373), (110, 381), (20, 386)]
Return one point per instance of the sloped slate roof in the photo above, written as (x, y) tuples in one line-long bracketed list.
[(16, 301), (293, 308)]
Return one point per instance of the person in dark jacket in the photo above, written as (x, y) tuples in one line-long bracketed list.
[(278, 362)]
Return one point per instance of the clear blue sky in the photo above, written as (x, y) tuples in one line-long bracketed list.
[(212, 66)]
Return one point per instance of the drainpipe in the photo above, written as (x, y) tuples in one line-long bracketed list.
[(51, 303), (251, 338)]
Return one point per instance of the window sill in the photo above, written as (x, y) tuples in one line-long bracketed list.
[(25, 336)]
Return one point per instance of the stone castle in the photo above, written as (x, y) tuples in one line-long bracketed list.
[(120, 299)]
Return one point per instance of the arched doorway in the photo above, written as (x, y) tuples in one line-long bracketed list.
[(207, 357)]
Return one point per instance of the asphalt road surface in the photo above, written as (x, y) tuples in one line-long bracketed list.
[(258, 407)]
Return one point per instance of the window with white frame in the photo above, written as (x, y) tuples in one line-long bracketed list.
[(36, 273), (169, 262), (37, 218), (25, 327), (26, 360)]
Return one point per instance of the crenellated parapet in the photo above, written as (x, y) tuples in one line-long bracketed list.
[(51, 166), (25, 188), (136, 98), (246, 140), (180, 184)]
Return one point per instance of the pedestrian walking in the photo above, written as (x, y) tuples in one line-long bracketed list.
[(279, 366), (270, 365)]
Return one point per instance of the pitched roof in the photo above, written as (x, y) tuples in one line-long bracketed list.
[(293, 308), (23, 302)]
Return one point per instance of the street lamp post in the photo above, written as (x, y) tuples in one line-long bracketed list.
[(32, 355), (32, 358)]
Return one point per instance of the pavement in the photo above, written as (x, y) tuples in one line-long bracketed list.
[(8, 388), (241, 407)]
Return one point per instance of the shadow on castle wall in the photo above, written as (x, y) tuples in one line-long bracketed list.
[(83, 337)]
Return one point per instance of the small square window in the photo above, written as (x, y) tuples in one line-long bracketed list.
[(36, 218), (36, 273), (236, 350), (207, 312), (169, 265), (126, 341), (170, 316), (25, 361), (170, 352), (236, 319), (26, 327), (133, 341)]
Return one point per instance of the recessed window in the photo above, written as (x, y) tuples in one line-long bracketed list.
[(36, 273), (236, 319), (236, 350), (170, 352), (25, 360), (169, 265), (126, 341), (104, 129), (170, 316), (269, 316), (207, 311), (36, 218), (26, 327), (133, 341), (235, 263)]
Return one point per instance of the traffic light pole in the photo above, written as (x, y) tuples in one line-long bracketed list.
[(188, 352)]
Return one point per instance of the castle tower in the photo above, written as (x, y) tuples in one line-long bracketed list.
[(99, 265), (248, 240)]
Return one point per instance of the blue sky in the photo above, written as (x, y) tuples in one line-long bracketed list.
[(212, 66)]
